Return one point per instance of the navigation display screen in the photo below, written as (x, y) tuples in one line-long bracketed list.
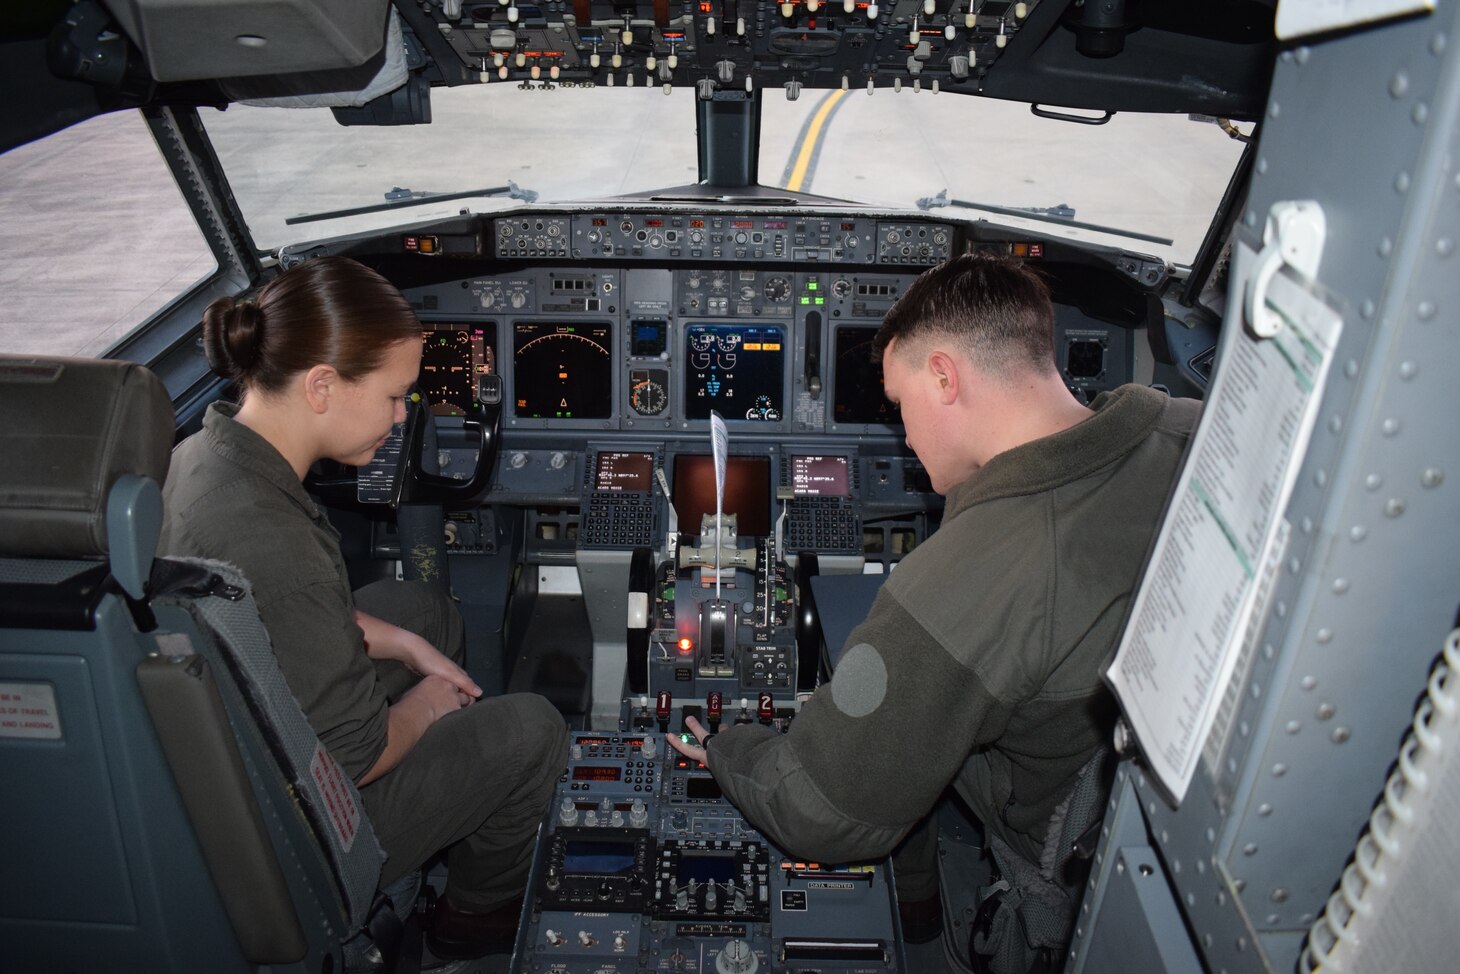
[(452, 356), (737, 370), (707, 867), (624, 472), (598, 858), (562, 371), (747, 492), (857, 387), (819, 476)]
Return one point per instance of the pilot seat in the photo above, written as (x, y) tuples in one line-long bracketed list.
[(167, 807)]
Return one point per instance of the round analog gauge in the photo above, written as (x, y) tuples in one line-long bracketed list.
[(701, 342), (648, 397), (777, 289), (764, 410)]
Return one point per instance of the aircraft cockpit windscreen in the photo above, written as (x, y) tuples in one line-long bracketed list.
[(1147, 183)]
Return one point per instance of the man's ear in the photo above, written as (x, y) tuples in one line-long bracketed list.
[(944, 371), (321, 383)]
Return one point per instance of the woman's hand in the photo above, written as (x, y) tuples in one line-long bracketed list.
[(385, 641), (429, 661), (439, 696)]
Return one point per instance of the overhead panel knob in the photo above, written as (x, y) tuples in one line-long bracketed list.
[(725, 71)]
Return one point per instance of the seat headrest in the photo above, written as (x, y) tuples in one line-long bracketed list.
[(80, 436)]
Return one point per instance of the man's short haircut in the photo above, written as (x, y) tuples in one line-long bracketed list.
[(996, 309)]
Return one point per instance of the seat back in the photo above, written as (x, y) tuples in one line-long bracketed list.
[(154, 819)]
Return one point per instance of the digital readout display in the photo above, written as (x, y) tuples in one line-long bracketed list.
[(702, 789), (598, 858), (738, 370), (820, 476), (706, 867), (452, 359), (624, 472), (596, 772)]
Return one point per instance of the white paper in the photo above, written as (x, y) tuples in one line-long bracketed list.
[(720, 446), (1196, 602), (1296, 18)]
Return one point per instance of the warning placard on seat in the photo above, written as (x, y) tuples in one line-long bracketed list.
[(340, 806), (29, 710)]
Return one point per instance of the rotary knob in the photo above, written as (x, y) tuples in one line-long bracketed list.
[(736, 957)]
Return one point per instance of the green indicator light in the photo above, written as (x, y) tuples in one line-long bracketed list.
[(812, 285), (820, 299), (805, 300)]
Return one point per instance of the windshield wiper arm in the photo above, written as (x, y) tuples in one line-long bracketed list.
[(1063, 215), (398, 198)]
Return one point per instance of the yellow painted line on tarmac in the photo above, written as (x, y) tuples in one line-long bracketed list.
[(811, 138)]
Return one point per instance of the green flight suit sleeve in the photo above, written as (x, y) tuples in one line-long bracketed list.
[(870, 752)]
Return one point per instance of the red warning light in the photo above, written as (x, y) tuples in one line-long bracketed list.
[(686, 646)]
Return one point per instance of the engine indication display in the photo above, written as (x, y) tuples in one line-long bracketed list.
[(562, 371), (453, 356), (738, 370)]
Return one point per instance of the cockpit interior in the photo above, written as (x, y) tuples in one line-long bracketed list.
[(649, 453)]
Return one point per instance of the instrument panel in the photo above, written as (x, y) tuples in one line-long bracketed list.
[(643, 866), (649, 321), (637, 325)]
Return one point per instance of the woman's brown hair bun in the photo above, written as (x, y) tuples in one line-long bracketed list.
[(233, 338)]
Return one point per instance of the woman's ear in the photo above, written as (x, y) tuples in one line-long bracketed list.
[(321, 383)]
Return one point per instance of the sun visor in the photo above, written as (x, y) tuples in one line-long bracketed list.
[(187, 40), (312, 91)]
